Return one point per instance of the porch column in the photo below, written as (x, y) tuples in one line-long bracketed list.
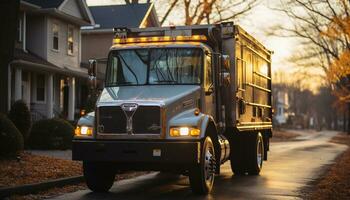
[(71, 101), (50, 96), (9, 88), (18, 84)]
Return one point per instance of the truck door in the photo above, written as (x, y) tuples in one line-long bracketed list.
[(209, 86)]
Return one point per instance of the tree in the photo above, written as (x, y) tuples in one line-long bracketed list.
[(323, 27), (8, 20), (208, 11), (200, 11)]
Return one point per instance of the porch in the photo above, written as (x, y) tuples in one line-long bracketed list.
[(49, 91)]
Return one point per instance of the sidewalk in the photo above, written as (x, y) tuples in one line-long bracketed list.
[(61, 154)]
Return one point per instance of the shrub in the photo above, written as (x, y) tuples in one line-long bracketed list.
[(51, 134), (20, 116), (11, 140)]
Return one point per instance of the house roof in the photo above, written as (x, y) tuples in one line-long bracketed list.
[(110, 16), (56, 8), (46, 3)]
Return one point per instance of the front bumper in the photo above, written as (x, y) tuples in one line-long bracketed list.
[(137, 152)]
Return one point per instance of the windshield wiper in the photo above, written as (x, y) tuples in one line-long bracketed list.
[(129, 68)]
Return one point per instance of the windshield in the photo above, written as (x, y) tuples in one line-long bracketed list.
[(154, 66)]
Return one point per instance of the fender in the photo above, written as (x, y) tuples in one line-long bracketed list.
[(189, 119), (87, 120)]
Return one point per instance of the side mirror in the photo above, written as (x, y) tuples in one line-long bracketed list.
[(225, 78), (92, 67), (93, 73), (225, 61)]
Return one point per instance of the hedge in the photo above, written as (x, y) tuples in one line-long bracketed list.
[(51, 134), (11, 140)]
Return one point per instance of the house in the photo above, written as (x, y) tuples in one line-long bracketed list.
[(46, 71), (282, 105), (97, 39)]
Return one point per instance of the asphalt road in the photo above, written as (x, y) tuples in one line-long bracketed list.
[(292, 167)]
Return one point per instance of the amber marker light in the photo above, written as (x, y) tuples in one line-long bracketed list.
[(159, 39), (195, 132), (83, 131), (196, 111), (184, 131)]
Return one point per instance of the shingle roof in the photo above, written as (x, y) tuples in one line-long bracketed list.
[(110, 16), (46, 3)]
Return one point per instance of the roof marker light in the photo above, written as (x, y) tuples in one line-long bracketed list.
[(159, 39)]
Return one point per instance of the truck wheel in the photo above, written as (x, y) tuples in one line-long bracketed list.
[(255, 154), (237, 154), (99, 177), (202, 175)]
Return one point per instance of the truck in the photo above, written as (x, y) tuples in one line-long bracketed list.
[(184, 99)]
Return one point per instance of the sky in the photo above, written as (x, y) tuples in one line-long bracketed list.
[(257, 22)]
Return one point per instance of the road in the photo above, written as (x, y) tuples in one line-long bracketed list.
[(291, 167)]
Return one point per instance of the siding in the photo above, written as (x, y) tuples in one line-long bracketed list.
[(61, 57), (72, 8), (36, 35), (95, 45)]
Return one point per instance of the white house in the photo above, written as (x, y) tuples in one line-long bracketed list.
[(46, 71), (282, 105)]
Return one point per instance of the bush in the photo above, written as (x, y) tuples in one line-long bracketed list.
[(20, 116), (11, 140), (51, 134)]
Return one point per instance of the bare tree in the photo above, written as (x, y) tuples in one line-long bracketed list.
[(207, 11), (324, 29)]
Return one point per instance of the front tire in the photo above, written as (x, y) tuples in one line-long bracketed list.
[(99, 177), (202, 175)]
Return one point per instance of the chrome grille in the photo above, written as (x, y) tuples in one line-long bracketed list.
[(145, 120)]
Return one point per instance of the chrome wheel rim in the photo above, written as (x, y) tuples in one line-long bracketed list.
[(209, 165), (259, 156)]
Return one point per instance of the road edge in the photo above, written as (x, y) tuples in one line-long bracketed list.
[(36, 187)]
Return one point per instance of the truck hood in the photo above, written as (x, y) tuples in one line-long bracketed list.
[(153, 94)]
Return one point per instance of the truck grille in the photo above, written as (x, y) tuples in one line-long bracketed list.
[(146, 120)]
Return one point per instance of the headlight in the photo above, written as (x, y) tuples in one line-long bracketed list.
[(184, 131), (82, 131)]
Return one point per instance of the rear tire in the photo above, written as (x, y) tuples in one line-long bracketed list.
[(202, 175), (237, 154), (256, 154), (247, 153), (99, 177)]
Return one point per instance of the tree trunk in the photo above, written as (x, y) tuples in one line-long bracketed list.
[(348, 119), (8, 19), (344, 120), (335, 120)]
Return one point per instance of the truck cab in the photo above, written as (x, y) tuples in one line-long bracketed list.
[(176, 99)]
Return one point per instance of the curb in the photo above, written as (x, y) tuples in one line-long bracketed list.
[(32, 188)]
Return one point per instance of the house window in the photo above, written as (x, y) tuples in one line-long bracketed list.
[(70, 40), (40, 87), (55, 30)]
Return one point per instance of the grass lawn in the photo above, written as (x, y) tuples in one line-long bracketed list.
[(35, 169), (335, 184)]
